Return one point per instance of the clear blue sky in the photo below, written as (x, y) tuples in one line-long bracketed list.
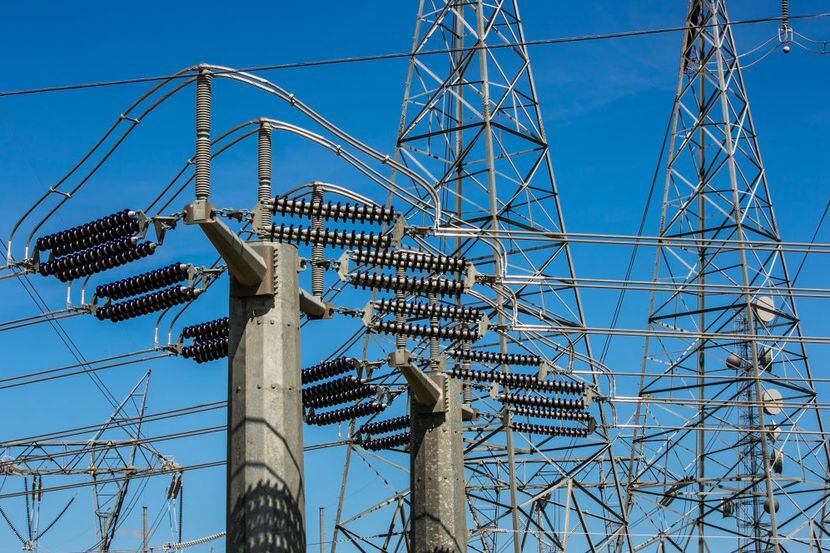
[(605, 107)]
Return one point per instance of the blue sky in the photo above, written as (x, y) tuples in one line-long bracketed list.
[(605, 106)]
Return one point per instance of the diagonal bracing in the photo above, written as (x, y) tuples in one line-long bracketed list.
[(729, 451)]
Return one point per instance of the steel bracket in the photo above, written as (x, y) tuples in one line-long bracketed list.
[(258, 219), (314, 307), (161, 225), (252, 269), (429, 389)]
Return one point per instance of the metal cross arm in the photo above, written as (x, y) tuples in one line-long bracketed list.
[(427, 391), (427, 388), (245, 263)]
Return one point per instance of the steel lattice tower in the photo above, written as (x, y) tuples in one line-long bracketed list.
[(730, 452), (115, 449), (471, 123)]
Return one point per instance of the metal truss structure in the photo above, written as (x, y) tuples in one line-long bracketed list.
[(459, 386), (109, 459), (471, 125), (729, 451)]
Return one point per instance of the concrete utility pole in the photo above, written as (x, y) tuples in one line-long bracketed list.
[(266, 503), (439, 509), (265, 493), (438, 501)]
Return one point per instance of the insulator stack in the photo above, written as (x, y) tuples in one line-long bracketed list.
[(209, 350), (264, 154), (142, 305), (199, 332), (359, 392), (328, 369), (389, 425), (203, 155), (210, 340), (560, 386), (547, 402), (524, 381), (120, 224), (413, 285), (386, 442), (145, 282), (347, 413), (97, 259), (88, 255), (425, 331), (121, 231), (337, 212), (331, 387), (328, 237), (548, 413), (565, 431), (206, 336), (493, 357), (426, 310), (318, 277), (420, 261)]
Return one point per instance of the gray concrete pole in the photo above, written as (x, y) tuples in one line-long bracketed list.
[(266, 501), (438, 511), (322, 529), (145, 537)]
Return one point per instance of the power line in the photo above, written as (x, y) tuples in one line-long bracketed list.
[(144, 474), (397, 55), (89, 367), (630, 269), (161, 415), (63, 335), (90, 447), (812, 240)]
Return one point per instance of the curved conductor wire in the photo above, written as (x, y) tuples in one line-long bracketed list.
[(68, 195), (293, 101), (245, 78)]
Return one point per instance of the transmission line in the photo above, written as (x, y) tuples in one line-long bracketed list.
[(161, 415), (145, 474), (812, 240), (399, 55), (63, 335)]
